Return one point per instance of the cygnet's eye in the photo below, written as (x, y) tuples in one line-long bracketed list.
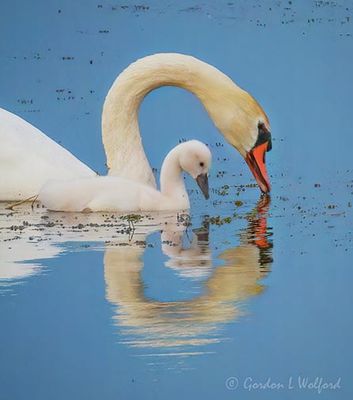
[(202, 164)]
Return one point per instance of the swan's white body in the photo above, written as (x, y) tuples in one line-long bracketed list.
[(28, 158), (108, 193)]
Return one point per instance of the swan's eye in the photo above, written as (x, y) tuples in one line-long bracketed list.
[(202, 164), (264, 135)]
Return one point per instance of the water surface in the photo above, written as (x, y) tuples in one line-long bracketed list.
[(170, 306)]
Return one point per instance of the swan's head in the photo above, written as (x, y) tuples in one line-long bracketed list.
[(195, 159), (244, 124)]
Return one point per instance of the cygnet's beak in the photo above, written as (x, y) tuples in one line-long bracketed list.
[(202, 181)]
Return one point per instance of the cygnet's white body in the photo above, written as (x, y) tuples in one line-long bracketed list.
[(110, 193), (104, 193)]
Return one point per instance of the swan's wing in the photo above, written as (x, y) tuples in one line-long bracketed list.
[(28, 158)]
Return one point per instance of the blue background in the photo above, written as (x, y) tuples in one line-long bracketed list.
[(58, 60)]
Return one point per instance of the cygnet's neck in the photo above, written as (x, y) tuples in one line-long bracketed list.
[(172, 180)]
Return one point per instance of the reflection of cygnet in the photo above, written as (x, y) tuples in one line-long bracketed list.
[(108, 193), (192, 262)]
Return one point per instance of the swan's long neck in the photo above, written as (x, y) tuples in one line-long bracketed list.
[(121, 135), (172, 181)]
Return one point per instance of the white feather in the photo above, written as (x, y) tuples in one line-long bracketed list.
[(28, 158)]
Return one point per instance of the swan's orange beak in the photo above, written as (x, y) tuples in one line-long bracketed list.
[(255, 159)]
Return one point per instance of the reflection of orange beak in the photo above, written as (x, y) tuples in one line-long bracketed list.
[(255, 159), (260, 229)]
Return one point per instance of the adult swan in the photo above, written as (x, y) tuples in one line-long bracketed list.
[(28, 158)]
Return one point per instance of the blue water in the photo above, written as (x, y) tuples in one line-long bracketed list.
[(252, 290)]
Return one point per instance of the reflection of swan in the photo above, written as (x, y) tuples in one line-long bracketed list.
[(111, 193), (27, 237), (28, 158), (178, 324), (146, 322)]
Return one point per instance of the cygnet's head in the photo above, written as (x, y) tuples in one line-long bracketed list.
[(195, 158)]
